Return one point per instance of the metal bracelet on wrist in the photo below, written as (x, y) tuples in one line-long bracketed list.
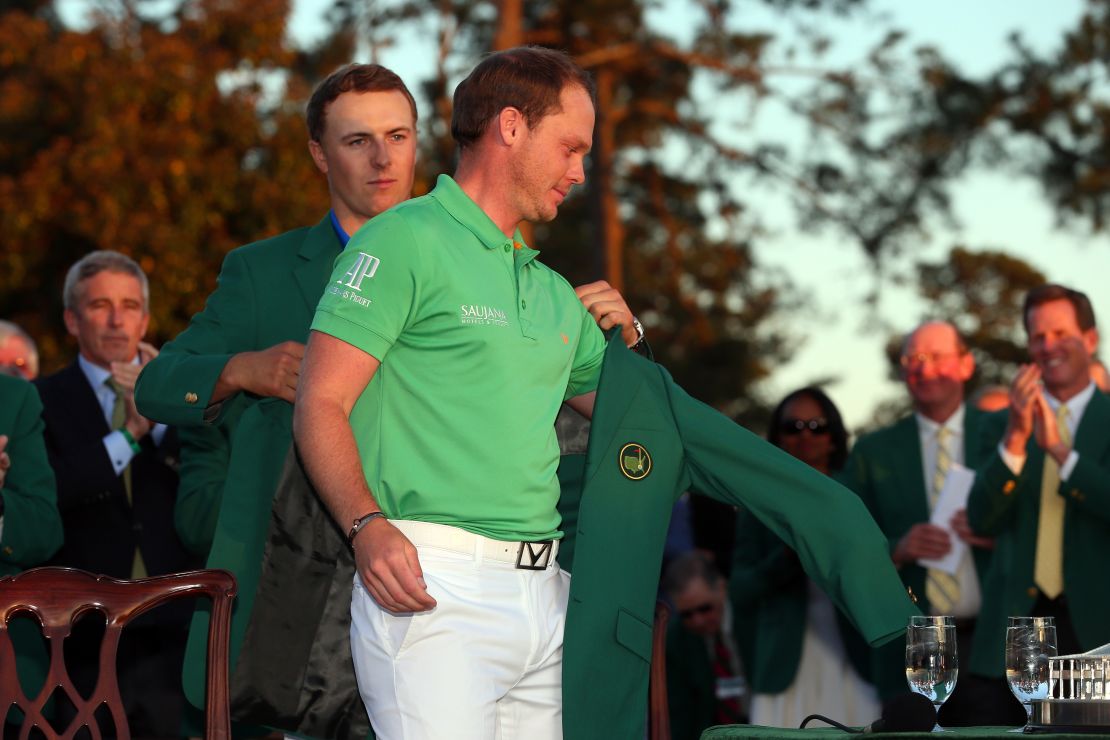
[(361, 522), (639, 332)]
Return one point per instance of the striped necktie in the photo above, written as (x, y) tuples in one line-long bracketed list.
[(1048, 568), (941, 588)]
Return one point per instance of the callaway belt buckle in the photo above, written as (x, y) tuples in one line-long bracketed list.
[(538, 555)]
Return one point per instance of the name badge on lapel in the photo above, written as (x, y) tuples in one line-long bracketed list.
[(634, 461)]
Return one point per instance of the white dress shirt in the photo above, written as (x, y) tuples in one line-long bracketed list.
[(970, 597), (1077, 406), (115, 444)]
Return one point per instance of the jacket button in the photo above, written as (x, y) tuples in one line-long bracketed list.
[(1032, 592), (190, 397), (8, 550)]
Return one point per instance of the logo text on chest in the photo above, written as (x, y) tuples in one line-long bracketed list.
[(471, 314)]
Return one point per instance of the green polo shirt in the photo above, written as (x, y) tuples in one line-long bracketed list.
[(479, 345)]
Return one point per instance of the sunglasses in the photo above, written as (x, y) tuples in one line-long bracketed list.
[(696, 610), (791, 427)]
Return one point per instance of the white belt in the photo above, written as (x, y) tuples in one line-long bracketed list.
[(525, 555)]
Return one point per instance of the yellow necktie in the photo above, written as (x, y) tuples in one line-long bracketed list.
[(119, 418), (1048, 570), (941, 588)]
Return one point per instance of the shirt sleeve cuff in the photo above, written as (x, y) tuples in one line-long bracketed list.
[(119, 451), (1014, 462)]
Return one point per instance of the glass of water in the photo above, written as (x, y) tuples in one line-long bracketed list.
[(1030, 642), (931, 660)]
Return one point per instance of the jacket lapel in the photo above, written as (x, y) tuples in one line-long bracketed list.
[(911, 466), (615, 392), (1090, 435), (82, 401), (317, 254)]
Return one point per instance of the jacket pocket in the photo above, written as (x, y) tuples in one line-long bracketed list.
[(634, 634)]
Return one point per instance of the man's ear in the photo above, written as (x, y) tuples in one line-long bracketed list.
[(510, 126), (1090, 341), (967, 366), (70, 319), (319, 156)]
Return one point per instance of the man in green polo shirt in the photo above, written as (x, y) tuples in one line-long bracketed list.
[(440, 354)]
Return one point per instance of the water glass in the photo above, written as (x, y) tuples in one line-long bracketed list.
[(931, 661), (1030, 642)]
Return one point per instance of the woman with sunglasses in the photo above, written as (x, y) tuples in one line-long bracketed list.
[(803, 657)]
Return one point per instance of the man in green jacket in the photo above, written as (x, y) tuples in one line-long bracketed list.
[(228, 380), (899, 472), (30, 526), (1044, 491)]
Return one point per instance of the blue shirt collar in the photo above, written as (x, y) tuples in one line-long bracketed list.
[(95, 374), (340, 234)]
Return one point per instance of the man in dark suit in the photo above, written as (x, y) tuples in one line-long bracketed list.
[(117, 476), (1044, 491), (899, 472)]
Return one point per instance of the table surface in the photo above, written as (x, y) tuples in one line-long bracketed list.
[(755, 732)]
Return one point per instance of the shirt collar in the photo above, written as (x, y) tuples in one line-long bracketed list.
[(1077, 404), (340, 234), (954, 423), (470, 215), (96, 375)]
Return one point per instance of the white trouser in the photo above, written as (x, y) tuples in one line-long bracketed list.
[(485, 663)]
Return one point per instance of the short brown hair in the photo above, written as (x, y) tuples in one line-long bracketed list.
[(528, 78), (359, 78), (1084, 313)]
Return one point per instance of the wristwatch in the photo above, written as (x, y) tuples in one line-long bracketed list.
[(639, 333)]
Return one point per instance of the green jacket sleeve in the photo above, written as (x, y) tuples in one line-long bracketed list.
[(761, 564), (32, 525), (205, 459), (176, 386), (836, 539)]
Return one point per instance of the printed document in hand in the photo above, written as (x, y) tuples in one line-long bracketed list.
[(953, 497)]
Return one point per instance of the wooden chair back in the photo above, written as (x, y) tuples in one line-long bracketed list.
[(57, 597), (659, 718)]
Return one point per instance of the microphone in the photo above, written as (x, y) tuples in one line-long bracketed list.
[(905, 713)]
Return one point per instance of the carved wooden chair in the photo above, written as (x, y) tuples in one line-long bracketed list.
[(659, 718), (57, 597)]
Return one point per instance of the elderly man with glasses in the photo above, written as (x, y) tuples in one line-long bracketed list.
[(899, 471)]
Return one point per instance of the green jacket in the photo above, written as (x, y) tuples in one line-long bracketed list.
[(32, 525), (615, 508), (1008, 507), (266, 294), (769, 585), (886, 470)]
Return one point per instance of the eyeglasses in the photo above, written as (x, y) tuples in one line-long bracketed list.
[(920, 359), (790, 427), (696, 610)]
